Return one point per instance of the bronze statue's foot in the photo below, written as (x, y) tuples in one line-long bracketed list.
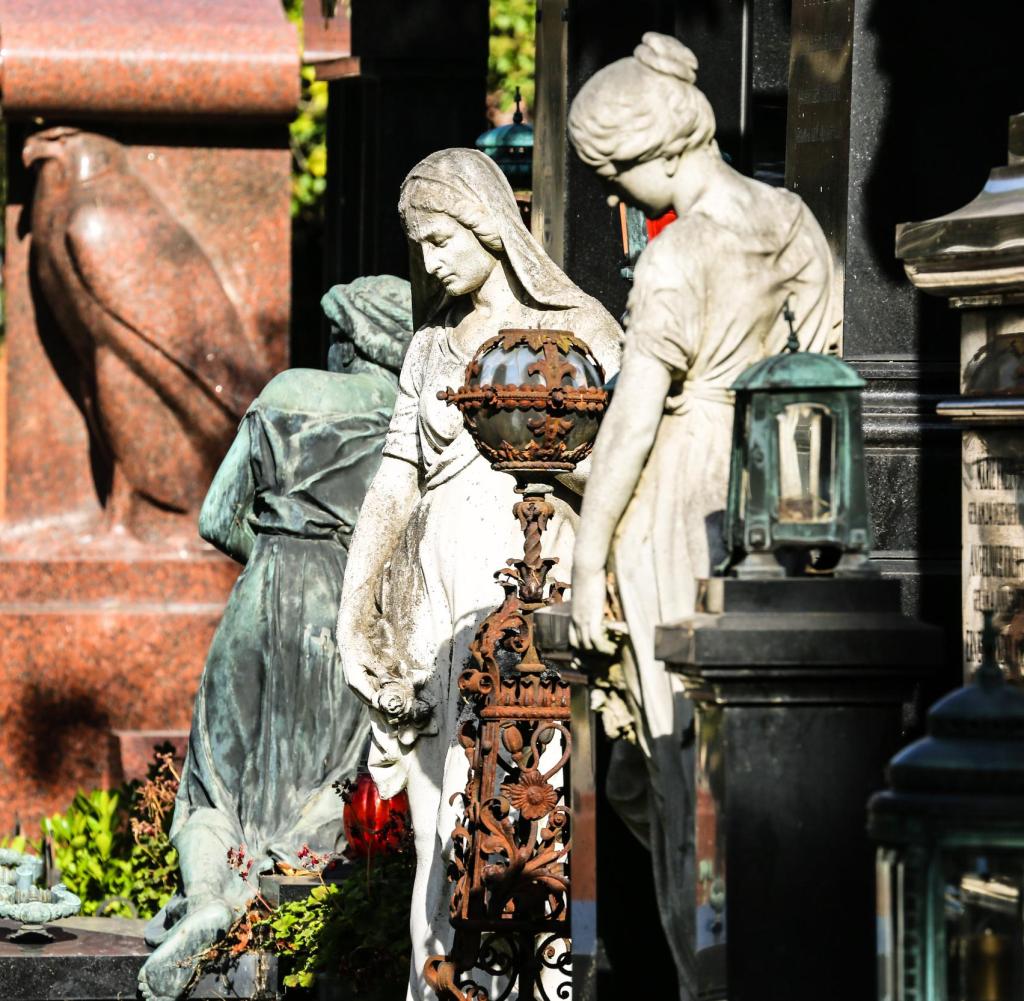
[(166, 973)]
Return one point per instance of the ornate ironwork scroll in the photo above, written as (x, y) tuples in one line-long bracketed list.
[(510, 864)]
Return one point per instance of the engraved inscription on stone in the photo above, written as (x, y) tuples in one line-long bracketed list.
[(993, 553)]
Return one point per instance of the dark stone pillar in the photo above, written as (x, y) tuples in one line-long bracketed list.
[(896, 111), (420, 87), (797, 716)]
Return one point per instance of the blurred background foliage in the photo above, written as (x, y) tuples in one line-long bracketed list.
[(511, 63), (512, 56), (308, 135)]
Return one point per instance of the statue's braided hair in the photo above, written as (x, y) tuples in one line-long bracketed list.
[(642, 108)]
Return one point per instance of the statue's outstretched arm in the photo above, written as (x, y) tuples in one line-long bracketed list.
[(224, 517), (620, 453), (382, 518)]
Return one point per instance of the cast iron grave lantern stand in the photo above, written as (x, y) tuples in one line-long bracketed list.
[(796, 489), (532, 401), (802, 670), (950, 859)]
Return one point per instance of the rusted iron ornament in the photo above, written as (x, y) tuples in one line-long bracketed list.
[(532, 401)]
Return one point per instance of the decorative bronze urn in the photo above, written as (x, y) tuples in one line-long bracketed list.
[(532, 401)]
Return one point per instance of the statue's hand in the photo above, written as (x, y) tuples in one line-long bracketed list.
[(360, 661), (407, 707), (588, 630)]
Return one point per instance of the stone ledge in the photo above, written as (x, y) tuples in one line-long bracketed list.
[(98, 959)]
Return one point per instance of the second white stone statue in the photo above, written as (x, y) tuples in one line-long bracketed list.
[(436, 522), (707, 302)]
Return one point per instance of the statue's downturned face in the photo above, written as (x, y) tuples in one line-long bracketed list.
[(451, 252), (646, 185)]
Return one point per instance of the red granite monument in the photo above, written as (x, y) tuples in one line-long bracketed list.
[(147, 278)]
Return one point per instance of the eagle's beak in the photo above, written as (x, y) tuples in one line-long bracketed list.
[(36, 149)]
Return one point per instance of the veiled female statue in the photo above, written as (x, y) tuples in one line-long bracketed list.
[(436, 523), (274, 726), (707, 302)]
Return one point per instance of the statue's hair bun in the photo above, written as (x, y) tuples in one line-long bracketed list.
[(668, 55)]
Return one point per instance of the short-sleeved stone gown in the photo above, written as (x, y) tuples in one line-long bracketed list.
[(706, 303)]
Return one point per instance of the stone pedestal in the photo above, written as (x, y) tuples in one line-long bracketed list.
[(108, 600), (973, 258), (801, 689)]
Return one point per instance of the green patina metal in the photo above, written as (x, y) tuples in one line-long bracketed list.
[(511, 148), (950, 842), (797, 419), (797, 371)]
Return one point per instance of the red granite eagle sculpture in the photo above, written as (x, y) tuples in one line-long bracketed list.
[(166, 367)]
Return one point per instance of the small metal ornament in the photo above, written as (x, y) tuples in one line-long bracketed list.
[(532, 401), (34, 906)]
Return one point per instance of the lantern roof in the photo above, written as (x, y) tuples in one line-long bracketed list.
[(503, 137), (798, 370), (511, 148), (975, 741)]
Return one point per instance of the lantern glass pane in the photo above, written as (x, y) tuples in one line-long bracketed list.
[(984, 930), (745, 473), (807, 464), (889, 924)]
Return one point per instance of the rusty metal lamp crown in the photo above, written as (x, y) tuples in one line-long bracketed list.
[(532, 400)]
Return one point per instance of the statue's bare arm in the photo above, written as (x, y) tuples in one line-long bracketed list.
[(384, 514), (620, 453)]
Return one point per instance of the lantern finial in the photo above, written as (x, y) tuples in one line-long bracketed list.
[(792, 343), (517, 118)]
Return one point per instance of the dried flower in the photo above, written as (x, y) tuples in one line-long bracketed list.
[(313, 862), (239, 859)]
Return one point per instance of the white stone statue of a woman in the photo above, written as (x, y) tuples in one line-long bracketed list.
[(437, 521), (706, 303)]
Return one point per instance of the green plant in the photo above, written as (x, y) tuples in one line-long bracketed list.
[(356, 929), (152, 852), (92, 848), (512, 55), (18, 843), (112, 846)]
